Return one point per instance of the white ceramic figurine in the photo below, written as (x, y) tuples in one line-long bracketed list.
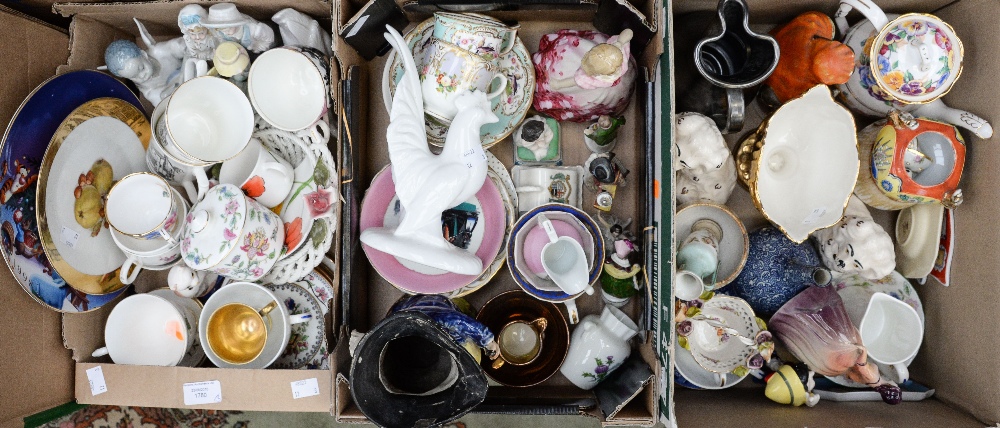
[(298, 29), (155, 71), (428, 184), (705, 168), (229, 25), (857, 244)]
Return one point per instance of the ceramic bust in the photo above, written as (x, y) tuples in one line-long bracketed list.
[(427, 184), (857, 244), (463, 329), (228, 24), (198, 39), (602, 135), (809, 56), (816, 329), (298, 29), (705, 168), (582, 75), (155, 71)]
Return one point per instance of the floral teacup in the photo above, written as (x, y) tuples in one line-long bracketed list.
[(475, 33), (448, 71)]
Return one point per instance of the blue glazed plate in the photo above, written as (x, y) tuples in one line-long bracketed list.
[(553, 293), (21, 154)]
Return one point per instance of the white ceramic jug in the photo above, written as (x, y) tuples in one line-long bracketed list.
[(598, 347)]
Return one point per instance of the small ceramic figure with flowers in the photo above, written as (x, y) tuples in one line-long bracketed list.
[(602, 135), (619, 279)]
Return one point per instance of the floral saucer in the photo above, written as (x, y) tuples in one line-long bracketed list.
[(511, 106), (320, 286), (307, 337), (378, 208), (715, 334), (23, 146), (98, 143)]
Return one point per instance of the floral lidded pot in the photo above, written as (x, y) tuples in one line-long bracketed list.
[(909, 60), (910, 161), (232, 235)]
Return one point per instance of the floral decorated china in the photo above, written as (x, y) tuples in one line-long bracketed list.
[(378, 207), (598, 347), (733, 247), (689, 374), (320, 286), (476, 33), (100, 142), (724, 335), (24, 145), (232, 235), (511, 106), (516, 305), (307, 337), (305, 204)]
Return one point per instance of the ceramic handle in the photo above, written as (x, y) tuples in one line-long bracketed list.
[(550, 230), (317, 133), (130, 270), (509, 41), (896, 372), (574, 314), (196, 190), (499, 90), (100, 352), (866, 7), (299, 318), (938, 110)]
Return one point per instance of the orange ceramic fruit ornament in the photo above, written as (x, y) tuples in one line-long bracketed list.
[(809, 56)]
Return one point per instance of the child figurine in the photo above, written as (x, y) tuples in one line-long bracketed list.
[(582, 75), (231, 61), (156, 71), (198, 40), (619, 280), (228, 24), (602, 136)]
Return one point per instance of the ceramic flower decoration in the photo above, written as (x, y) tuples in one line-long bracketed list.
[(428, 184), (705, 168)]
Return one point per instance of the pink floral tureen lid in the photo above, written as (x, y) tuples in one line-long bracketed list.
[(916, 58), (213, 225)]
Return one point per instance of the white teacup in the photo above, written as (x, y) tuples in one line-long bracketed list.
[(262, 175), (145, 254), (171, 164), (288, 87), (209, 119), (150, 330), (450, 71), (892, 332), (142, 205)]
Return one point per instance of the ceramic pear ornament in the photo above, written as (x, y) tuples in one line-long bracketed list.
[(857, 245), (705, 168), (816, 329), (154, 71), (428, 184), (582, 75), (809, 56)]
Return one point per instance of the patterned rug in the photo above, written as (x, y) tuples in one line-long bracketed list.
[(148, 417)]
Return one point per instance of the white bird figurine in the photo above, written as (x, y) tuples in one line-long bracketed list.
[(428, 184)]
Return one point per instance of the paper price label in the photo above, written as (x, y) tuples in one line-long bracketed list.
[(96, 378), (305, 388), (70, 236), (202, 393)]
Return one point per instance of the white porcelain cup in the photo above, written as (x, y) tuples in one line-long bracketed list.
[(172, 165), (891, 332), (209, 119), (288, 87), (150, 330), (145, 254), (144, 206), (262, 175), (688, 285)]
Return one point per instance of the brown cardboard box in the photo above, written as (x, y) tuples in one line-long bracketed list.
[(49, 352)]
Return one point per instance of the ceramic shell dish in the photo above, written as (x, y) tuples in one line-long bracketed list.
[(734, 246), (801, 164)]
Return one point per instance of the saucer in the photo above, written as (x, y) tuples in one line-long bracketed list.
[(307, 337), (377, 208), (517, 305), (99, 143), (24, 145), (320, 286), (710, 348), (511, 106), (545, 289), (255, 296), (735, 243), (689, 374), (918, 235), (497, 173)]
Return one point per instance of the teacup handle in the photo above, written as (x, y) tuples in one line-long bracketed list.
[(130, 270), (500, 88), (509, 40), (197, 190), (896, 372), (866, 7), (100, 352), (574, 314), (318, 132), (299, 318)]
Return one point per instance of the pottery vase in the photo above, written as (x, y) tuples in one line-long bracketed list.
[(599, 346)]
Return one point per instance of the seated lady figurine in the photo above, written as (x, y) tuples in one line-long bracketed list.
[(583, 75), (229, 25)]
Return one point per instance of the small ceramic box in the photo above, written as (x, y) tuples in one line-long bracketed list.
[(537, 142)]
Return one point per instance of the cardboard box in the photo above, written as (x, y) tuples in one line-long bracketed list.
[(50, 352), (368, 296)]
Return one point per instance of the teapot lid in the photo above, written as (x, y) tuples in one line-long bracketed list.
[(213, 226), (916, 58)]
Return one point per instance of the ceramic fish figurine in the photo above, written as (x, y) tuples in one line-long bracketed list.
[(298, 29), (428, 184), (816, 329), (705, 168), (809, 56), (857, 244), (582, 75), (155, 71), (229, 25)]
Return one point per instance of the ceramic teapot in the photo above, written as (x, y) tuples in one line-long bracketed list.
[(903, 62), (910, 161), (776, 270)]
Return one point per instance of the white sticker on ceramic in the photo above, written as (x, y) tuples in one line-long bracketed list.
[(70, 236), (814, 216), (202, 393), (96, 378), (357, 26), (305, 388)]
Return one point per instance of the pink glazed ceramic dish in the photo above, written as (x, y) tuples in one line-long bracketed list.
[(492, 220)]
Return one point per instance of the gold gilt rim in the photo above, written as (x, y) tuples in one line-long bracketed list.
[(109, 282), (743, 230), (748, 162), (873, 63)]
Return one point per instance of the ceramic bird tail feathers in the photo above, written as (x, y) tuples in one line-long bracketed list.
[(427, 184)]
